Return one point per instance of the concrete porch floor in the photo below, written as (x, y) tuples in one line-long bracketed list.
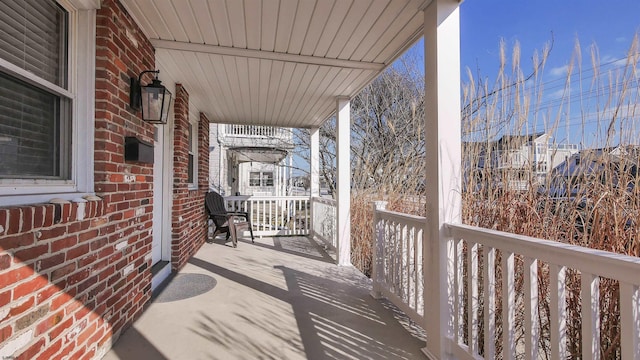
[(280, 298)]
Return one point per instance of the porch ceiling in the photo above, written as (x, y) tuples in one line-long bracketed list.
[(276, 62)]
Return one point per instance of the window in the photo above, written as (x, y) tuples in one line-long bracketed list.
[(193, 150), (46, 104), (263, 179), (35, 120)]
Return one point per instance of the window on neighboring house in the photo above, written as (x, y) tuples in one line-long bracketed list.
[(41, 110), (193, 150), (263, 179)]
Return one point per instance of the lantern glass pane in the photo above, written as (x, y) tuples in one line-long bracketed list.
[(152, 103)]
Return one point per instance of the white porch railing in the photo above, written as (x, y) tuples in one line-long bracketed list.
[(274, 215), (472, 267), (257, 131), (397, 264), (323, 224), (474, 252)]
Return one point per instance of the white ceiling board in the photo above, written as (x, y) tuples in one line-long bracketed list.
[(275, 62), (364, 27), (354, 15), (221, 22), (317, 25), (334, 22), (269, 24), (253, 20), (202, 14)]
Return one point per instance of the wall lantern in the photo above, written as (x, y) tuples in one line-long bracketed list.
[(154, 99)]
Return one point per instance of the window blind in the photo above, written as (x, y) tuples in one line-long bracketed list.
[(34, 123), (33, 36)]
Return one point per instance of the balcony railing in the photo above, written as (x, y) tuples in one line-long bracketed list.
[(257, 131), (478, 256), (274, 215), (397, 264), (323, 225)]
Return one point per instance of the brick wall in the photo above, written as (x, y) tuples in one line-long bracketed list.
[(189, 221), (73, 275)]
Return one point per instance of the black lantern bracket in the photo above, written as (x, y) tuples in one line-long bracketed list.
[(154, 98)]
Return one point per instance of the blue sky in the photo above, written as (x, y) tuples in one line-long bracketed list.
[(611, 25)]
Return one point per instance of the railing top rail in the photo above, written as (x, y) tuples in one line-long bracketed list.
[(325, 201), (401, 216), (265, 197), (602, 263)]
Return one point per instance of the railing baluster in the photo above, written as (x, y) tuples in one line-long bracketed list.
[(459, 291), (532, 329), (508, 306), (472, 296), (590, 293), (630, 321), (403, 263), (558, 311), (489, 279), (417, 269)]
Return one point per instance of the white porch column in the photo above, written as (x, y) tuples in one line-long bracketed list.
[(343, 183), (314, 163), (443, 170)]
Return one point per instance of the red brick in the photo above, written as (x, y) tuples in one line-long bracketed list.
[(51, 350), (77, 252), (29, 287), (31, 253), (46, 293), (13, 276), (5, 298), (52, 233), (15, 241), (27, 219), (49, 262), (62, 272), (48, 323), (32, 351), (5, 261), (15, 219), (78, 276), (19, 308), (4, 217), (88, 235), (38, 216), (64, 243), (61, 300), (5, 333), (60, 328), (49, 212)]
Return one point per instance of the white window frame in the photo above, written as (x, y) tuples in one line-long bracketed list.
[(262, 178), (81, 91), (193, 148)]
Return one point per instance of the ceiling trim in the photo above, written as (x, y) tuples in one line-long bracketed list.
[(270, 55)]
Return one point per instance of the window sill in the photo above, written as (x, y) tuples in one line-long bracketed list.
[(34, 199)]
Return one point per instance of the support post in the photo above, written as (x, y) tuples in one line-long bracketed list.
[(343, 183), (314, 165), (443, 167), (377, 269)]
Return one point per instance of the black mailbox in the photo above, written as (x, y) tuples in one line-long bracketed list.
[(137, 150)]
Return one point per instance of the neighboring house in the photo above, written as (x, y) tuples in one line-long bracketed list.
[(250, 160), (617, 166), (517, 162)]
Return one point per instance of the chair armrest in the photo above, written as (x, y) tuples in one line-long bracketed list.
[(239, 213)]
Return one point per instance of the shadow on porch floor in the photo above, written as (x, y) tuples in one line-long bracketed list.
[(280, 298)]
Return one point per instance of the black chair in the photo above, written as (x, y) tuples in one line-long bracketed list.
[(225, 221)]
